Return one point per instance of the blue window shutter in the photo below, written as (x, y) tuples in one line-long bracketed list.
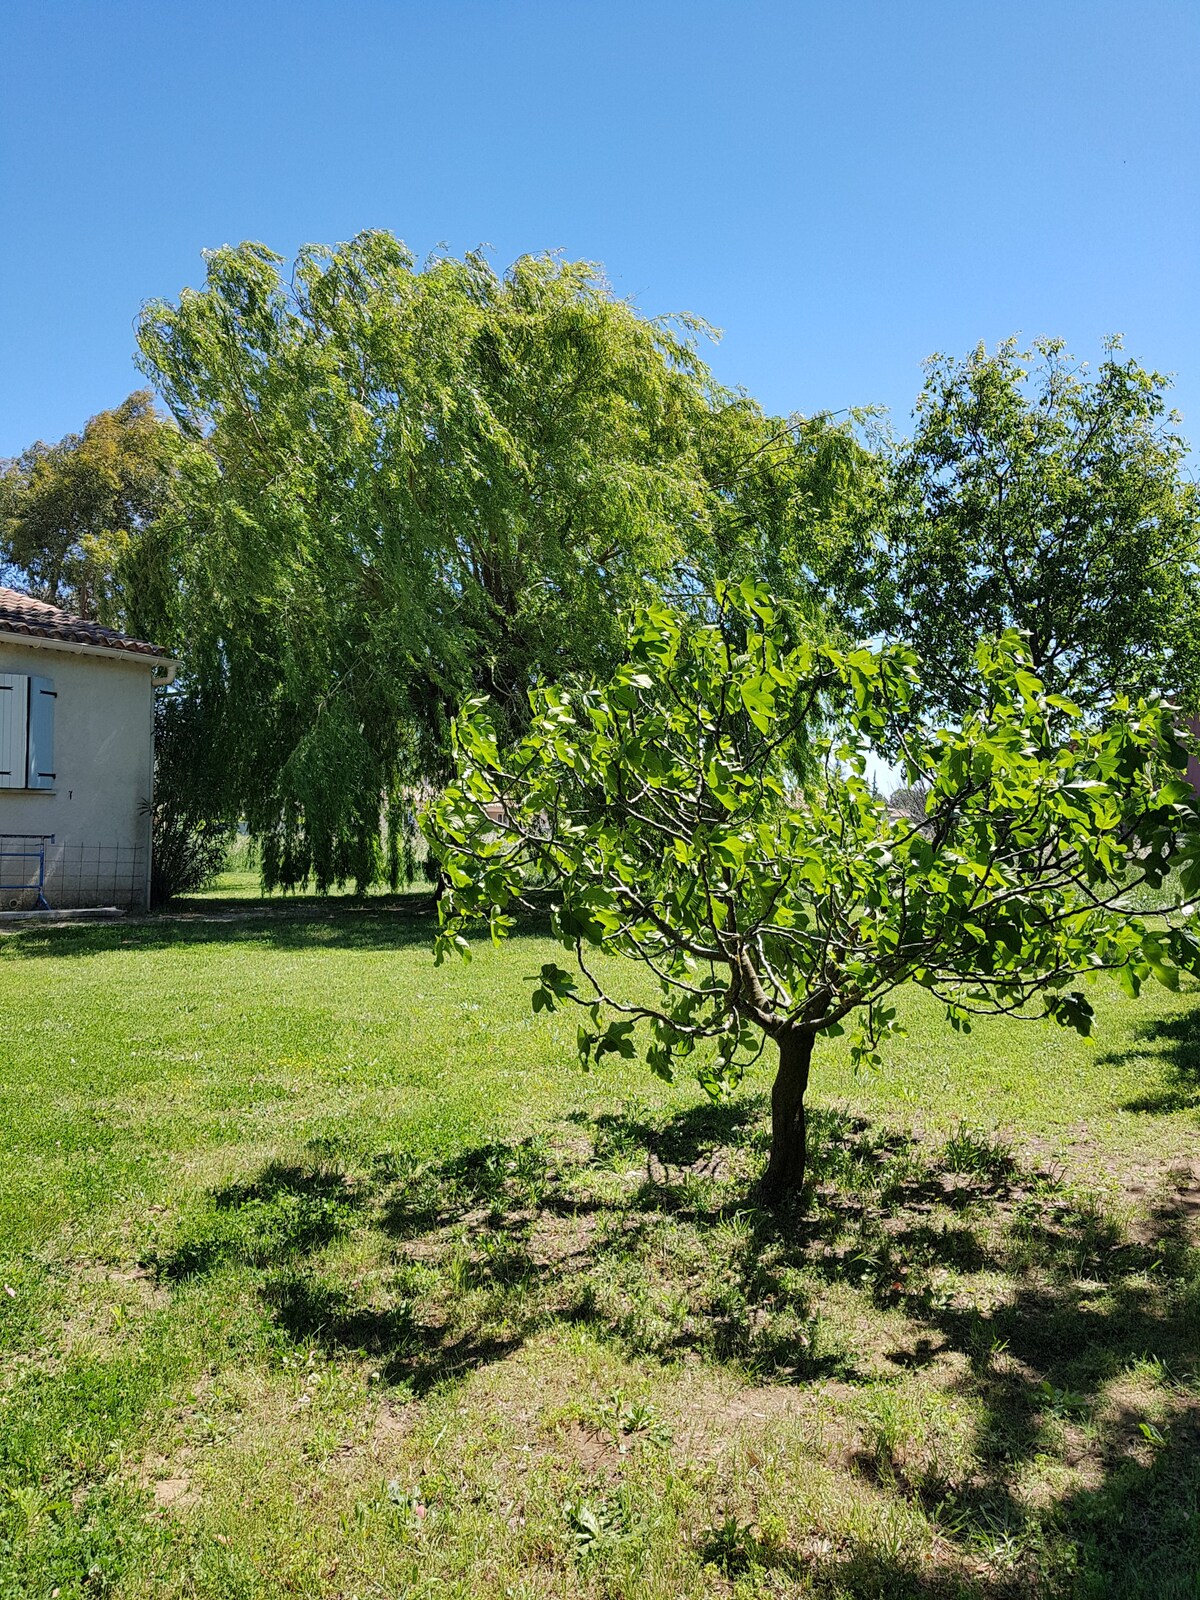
[(14, 719), (42, 700)]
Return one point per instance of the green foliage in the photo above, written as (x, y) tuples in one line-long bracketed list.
[(191, 834), (409, 484), (974, 1150), (1061, 1402), (73, 513), (793, 504), (729, 1545), (595, 1526), (1033, 495), (661, 810)]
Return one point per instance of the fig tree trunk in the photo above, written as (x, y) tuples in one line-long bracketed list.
[(789, 1134)]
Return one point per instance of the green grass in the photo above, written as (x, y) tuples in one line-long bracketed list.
[(324, 1272)]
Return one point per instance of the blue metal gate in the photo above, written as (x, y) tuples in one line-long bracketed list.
[(27, 847)]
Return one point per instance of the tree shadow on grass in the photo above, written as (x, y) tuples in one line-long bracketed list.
[(855, 1572), (1179, 1063), (1137, 1534), (1132, 1537), (1021, 1292), (310, 922), (287, 1213)]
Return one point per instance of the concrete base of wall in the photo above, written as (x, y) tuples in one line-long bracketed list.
[(70, 914)]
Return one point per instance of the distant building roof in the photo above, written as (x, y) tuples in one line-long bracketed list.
[(32, 619)]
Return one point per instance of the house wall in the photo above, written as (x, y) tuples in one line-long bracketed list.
[(103, 762)]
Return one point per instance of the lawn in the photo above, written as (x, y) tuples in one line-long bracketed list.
[(324, 1272)]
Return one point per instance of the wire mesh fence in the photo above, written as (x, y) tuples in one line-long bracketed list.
[(101, 874)]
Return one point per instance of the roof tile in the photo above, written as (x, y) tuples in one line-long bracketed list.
[(20, 614)]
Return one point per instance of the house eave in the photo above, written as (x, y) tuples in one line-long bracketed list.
[(163, 668)]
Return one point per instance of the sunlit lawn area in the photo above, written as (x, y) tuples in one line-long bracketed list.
[(324, 1272)]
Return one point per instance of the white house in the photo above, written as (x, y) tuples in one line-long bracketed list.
[(76, 759)]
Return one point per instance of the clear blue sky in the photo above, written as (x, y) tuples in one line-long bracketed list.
[(843, 186)]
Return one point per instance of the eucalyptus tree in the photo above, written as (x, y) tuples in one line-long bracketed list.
[(1035, 495), (405, 484), (659, 812), (72, 512)]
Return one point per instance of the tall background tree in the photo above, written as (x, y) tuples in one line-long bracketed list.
[(794, 504), (406, 484), (1035, 495), (72, 513)]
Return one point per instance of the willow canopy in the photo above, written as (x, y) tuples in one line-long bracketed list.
[(407, 483), (660, 812)]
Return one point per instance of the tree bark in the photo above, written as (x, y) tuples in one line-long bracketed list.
[(789, 1133)]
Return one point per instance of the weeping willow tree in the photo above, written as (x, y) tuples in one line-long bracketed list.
[(400, 485)]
